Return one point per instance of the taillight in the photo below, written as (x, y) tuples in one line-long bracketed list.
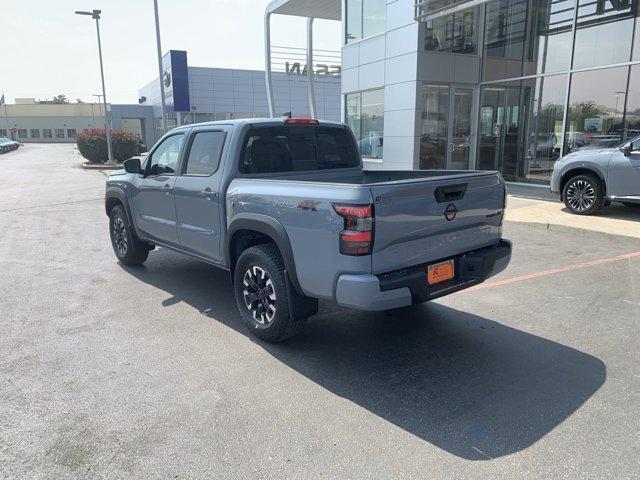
[(357, 236), (301, 121)]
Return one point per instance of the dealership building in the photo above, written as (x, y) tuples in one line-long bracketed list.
[(201, 94), (509, 85)]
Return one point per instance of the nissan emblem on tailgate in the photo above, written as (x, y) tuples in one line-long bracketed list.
[(450, 212)]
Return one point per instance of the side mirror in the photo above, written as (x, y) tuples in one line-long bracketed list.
[(132, 165), (627, 150)]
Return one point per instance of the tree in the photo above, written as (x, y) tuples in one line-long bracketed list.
[(58, 99), (79, 100)]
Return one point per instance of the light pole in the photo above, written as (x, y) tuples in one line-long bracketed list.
[(95, 14), (92, 112), (160, 73)]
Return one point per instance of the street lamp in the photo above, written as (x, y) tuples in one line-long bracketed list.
[(95, 14), (163, 105)]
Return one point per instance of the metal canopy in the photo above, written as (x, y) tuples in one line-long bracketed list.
[(310, 9), (324, 9), (426, 10)]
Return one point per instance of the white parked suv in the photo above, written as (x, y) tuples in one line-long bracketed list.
[(587, 180)]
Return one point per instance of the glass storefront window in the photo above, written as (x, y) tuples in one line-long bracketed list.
[(354, 21), (636, 39), (551, 41), (456, 33), (503, 129), (365, 116), (544, 139), (374, 17), (353, 110), (447, 126), (596, 104), (525, 37), (435, 126), (521, 127), (601, 34), (632, 115), (365, 18)]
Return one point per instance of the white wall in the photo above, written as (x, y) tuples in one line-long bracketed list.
[(390, 60)]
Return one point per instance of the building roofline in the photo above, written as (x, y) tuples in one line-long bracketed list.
[(323, 9)]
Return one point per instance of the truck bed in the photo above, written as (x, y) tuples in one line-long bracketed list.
[(421, 216), (375, 177)]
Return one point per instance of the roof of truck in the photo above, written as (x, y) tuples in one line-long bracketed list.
[(253, 121)]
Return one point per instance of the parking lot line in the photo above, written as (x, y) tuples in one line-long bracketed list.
[(553, 271)]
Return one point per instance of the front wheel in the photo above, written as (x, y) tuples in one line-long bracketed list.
[(128, 249), (583, 195), (261, 294)]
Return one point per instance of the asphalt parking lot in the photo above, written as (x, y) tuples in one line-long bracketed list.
[(110, 372)]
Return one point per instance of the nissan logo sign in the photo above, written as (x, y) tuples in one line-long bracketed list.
[(450, 212)]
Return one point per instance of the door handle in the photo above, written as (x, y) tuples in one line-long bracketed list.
[(208, 193), (167, 188)]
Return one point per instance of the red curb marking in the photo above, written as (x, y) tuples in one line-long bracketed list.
[(522, 278)]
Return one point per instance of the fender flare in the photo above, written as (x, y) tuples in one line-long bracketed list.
[(584, 167), (268, 226), (115, 192)]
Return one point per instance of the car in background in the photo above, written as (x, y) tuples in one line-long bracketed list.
[(587, 180), (8, 145)]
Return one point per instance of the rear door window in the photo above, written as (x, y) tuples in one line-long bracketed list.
[(204, 154), (297, 148)]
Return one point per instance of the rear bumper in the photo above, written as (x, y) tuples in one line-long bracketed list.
[(407, 286)]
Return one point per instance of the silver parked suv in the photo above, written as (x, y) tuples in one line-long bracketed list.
[(587, 180)]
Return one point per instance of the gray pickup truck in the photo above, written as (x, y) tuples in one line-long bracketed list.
[(286, 207)]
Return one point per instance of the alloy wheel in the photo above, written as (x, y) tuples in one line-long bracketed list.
[(120, 236), (581, 195), (259, 295)]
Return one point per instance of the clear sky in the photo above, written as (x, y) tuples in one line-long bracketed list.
[(47, 50)]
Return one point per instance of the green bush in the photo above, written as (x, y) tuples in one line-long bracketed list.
[(92, 145)]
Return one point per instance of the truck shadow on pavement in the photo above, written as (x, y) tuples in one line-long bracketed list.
[(464, 383)]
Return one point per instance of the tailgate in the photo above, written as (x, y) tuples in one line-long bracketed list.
[(419, 222)]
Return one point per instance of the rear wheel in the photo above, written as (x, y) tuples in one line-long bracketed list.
[(583, 195), (261, 294), (128, 249)]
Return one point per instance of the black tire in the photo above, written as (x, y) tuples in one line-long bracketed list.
[(583, 194), (259, 274), (129, 250)]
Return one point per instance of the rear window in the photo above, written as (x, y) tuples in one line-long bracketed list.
[(297, 148)]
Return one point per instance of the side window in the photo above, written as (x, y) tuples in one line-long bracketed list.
[(164, 159), (204, 154)]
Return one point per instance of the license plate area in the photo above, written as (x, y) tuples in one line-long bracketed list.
[(440, 272)]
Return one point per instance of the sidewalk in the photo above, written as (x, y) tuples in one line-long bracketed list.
[(538, 205)]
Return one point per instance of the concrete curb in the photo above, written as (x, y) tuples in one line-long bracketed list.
[(101, 166)]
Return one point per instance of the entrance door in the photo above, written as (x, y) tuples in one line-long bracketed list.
[(461, 128), (448, 118)]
